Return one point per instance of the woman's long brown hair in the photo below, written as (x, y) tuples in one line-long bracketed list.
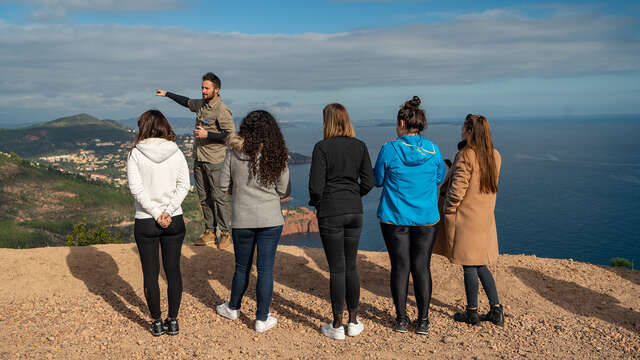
[(152, 123), (479, 140)]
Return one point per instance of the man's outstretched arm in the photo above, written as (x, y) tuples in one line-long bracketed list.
[(182, 100)]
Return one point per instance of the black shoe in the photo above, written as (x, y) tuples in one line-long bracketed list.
[(470, 316), (423, 326), (402, 325), (171, 326), (157, 328), (494, 315)]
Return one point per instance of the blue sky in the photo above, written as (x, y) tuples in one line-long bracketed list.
[(500, 58)]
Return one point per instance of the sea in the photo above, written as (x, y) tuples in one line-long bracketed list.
[(569, 187)]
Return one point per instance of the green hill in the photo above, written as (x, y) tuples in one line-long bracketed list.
[(39, 206), (64, 135)]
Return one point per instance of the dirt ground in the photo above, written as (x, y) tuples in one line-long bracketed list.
[(88, 303)]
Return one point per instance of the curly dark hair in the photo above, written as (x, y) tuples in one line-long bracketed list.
[(262, 136)]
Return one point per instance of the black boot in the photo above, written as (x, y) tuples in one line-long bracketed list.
[(494, 315), (470, 316)]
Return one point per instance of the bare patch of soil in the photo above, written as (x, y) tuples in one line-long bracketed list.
[(88, 303)]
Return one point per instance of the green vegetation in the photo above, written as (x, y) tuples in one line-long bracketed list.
[(39, 205), (84, 235), (63, 135), (57, 227), (13, 236), (621, 262)]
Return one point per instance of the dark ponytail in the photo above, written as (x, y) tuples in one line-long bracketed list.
[(413, 116)]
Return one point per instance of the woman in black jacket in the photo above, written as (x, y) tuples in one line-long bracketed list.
[(340, 176)]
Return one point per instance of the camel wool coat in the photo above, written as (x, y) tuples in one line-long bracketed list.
[(467, 235)]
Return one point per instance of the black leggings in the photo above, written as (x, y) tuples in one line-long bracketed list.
[(410, 250), (148, 235), (471, 275), (340, 236)]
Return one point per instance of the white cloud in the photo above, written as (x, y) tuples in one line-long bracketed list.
[(45, 10), (117, 67)]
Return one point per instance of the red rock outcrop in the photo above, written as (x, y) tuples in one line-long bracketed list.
[(299, 220)]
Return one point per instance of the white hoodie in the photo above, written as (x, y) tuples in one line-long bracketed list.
[(158, 178)]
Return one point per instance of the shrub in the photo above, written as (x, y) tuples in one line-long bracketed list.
[(99, 234), (621, 262)]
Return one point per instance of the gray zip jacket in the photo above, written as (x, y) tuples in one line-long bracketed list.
[(254, 206)]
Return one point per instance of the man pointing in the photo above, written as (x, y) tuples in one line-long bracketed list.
[(213, 123)]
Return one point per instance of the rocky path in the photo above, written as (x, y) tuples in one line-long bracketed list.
[(88, 303)]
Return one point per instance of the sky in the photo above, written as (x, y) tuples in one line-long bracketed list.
[(502, 59)]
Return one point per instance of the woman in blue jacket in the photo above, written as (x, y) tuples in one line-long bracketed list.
[(409, 170)]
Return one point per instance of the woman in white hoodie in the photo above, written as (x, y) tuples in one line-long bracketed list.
[(159, 181)]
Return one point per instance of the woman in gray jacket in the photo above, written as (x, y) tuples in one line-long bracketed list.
[(256, 165)]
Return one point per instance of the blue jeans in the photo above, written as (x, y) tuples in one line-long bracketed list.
[(244, 245)]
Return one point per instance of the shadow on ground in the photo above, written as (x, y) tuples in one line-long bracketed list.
[(579, 299), (209, 264), (627, 274), (101, 277)]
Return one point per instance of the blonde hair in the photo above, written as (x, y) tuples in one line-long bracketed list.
[(336, 121)]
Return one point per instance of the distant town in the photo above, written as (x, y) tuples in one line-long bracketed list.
[(108, 165)]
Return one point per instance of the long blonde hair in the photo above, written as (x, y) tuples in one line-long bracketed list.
[(336, 121), (479, 140)]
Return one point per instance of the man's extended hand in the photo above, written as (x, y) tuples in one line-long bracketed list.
[(161, 92), (200, 132), (164, 220)]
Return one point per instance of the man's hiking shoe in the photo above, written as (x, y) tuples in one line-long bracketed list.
[(208, 237), (225, 240)]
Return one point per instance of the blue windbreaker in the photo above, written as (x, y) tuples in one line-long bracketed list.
[(409, 169)]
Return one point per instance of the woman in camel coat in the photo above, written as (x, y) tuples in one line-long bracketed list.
[(468, 236)]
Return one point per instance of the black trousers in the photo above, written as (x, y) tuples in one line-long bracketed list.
[(410, 249), (340, 236), (149, 236), (471, 275)]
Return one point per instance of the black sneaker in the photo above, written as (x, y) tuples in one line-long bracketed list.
[(470, 316), (402, 325), (423, 326), (494, 315), (171, 326), (157, 328)]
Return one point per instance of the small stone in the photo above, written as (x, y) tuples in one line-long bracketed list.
[(448, 339), (51, 338), (140, 342)]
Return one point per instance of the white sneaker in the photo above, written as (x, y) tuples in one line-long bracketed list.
[(355, 329), (225, 311), (262, 326), (329, 331)]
